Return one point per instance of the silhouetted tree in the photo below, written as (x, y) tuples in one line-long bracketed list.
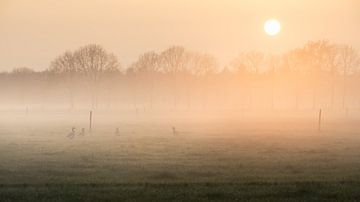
[(331, 64), (201, 66), (274, 63), (174, 63), (64, 66), (94, 62), (21, 71), (317, 73), (315, 60), (25, 78), (148, 66), (349, 61), (294, 62), (250, 62)]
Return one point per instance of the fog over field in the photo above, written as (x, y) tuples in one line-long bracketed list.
[(176, 117), (232, 100)]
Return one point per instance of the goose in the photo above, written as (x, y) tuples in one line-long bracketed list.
[(174, 131), (117, 131), (82, 133), (71, 135)]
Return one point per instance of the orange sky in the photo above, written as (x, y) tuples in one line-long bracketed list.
[(33, 32)]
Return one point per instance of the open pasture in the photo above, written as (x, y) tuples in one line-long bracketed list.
[(269, 158)]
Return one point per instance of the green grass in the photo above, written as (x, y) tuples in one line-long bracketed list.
[(294, 191), (206, 161)]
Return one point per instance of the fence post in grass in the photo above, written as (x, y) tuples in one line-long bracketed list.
[(90, 121), (319, 123)]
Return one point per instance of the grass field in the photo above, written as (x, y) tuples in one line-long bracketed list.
[(208, 160)]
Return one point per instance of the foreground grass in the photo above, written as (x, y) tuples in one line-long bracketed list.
[(259, 191), (205, 162)]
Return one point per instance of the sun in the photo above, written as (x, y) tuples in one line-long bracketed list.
[(272, 27)]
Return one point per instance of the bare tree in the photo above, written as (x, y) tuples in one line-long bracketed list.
[(274, 63), (201, 66), (174, 62), (133, 84), (320, 72), (21, 71), (148, 66), (64, 66), (294, 62), (147, 63), (25, 78), (315, 62), (250, 62), (324, 59), (331, 63), (349, 61), (95, 62)]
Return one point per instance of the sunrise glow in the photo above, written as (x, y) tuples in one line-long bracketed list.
[(272, 27)]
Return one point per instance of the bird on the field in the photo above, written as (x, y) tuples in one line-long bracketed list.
[(117, 131), (174, 131), (82, 133), (71, 135)]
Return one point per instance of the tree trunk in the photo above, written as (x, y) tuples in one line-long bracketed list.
[(344, 90), (71, 100)]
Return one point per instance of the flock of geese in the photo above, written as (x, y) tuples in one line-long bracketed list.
[(72, 134), (82, 133)]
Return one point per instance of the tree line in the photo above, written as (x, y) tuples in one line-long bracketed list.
[(318, 74)]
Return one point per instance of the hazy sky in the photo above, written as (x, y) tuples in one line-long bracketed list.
[(33, 32)]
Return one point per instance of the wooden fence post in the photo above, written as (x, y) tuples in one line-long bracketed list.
[(90, 122), (319, 123)]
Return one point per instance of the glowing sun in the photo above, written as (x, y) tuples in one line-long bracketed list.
[(272, 27)]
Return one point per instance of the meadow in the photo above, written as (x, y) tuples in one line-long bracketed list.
[(240, 157)]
